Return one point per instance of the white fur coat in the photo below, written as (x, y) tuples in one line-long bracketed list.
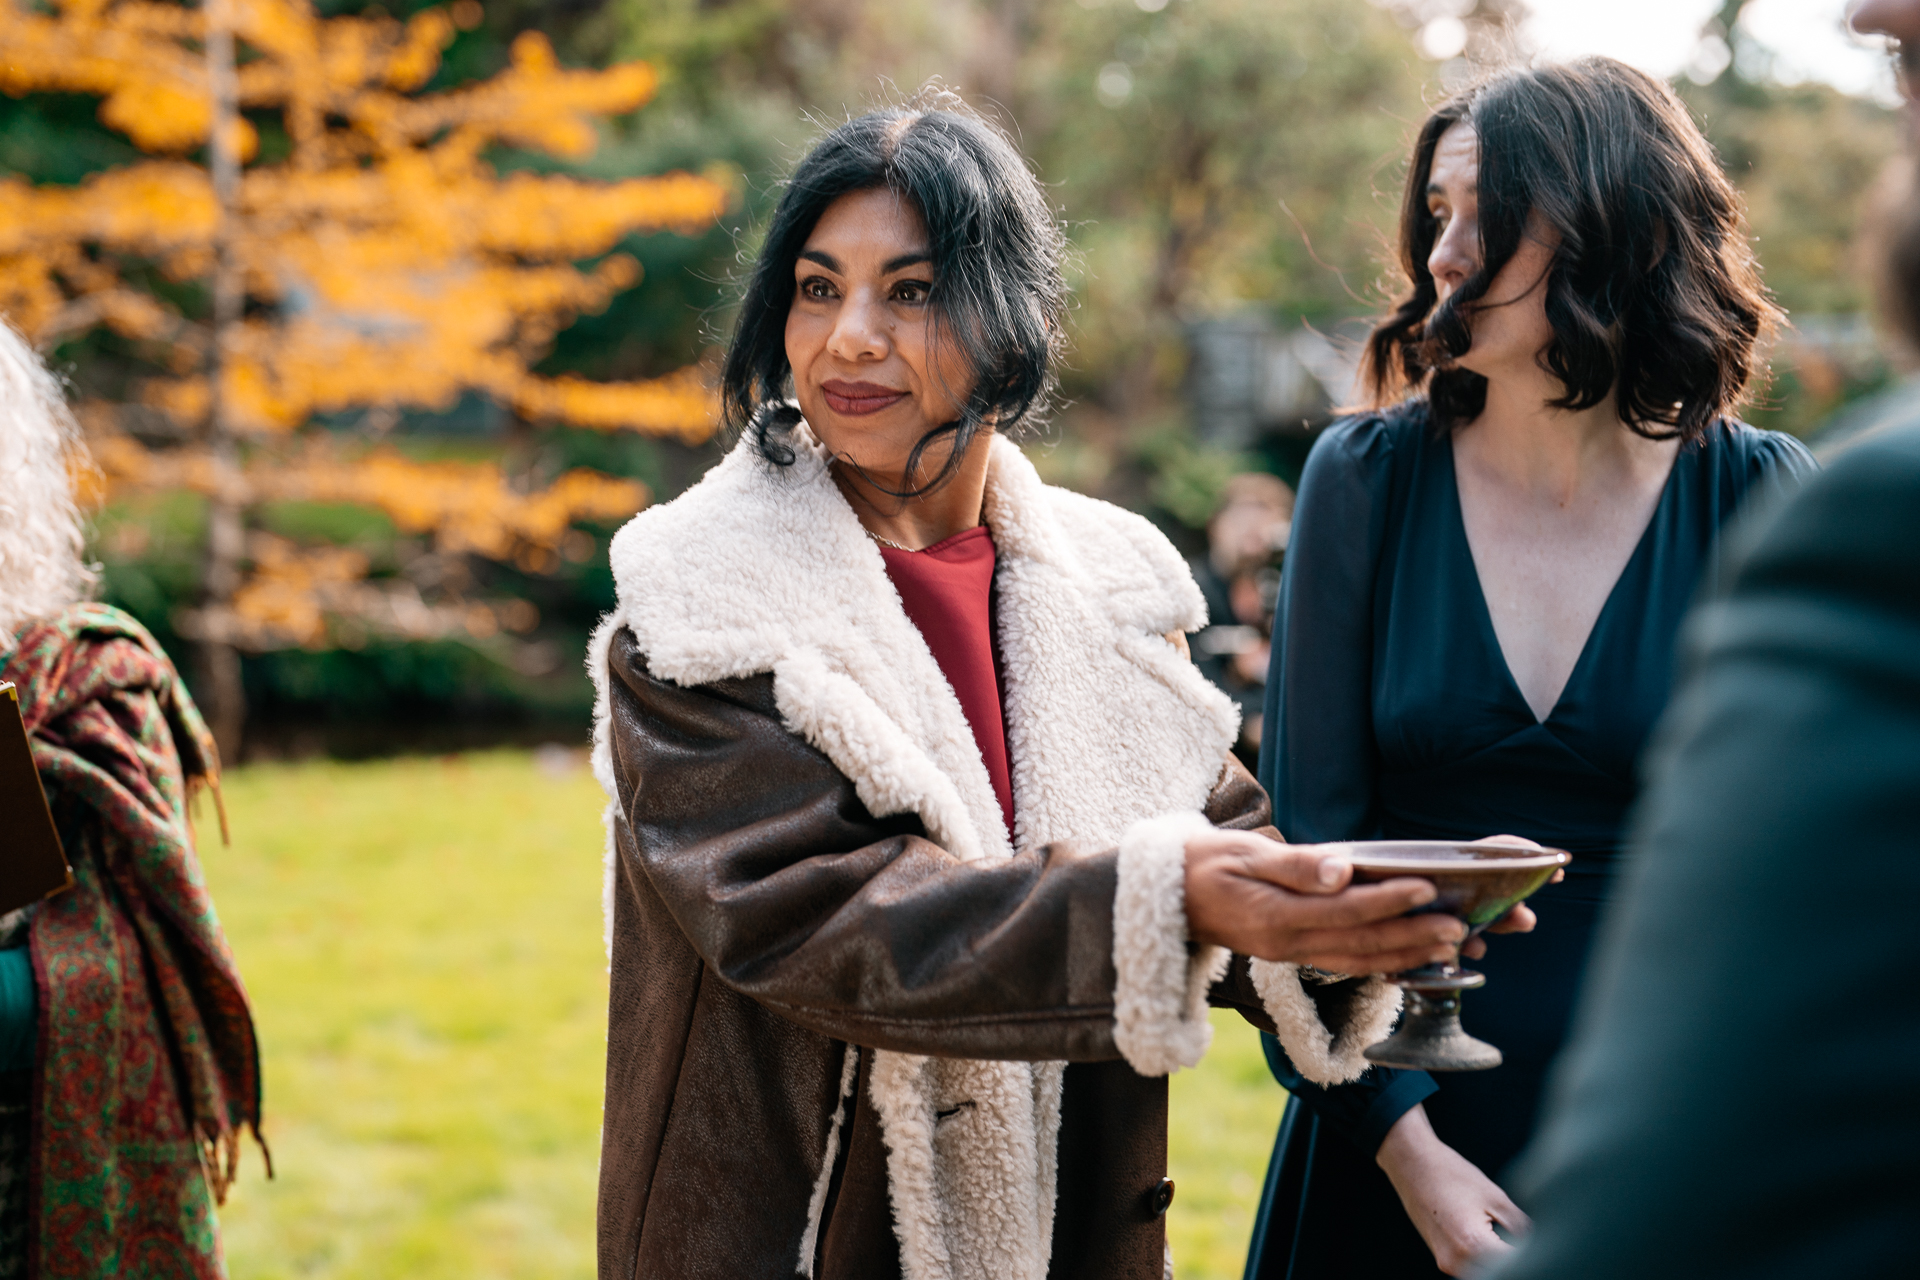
[(1114, 738)]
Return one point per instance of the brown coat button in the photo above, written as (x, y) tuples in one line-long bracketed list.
[(1160, 1198)]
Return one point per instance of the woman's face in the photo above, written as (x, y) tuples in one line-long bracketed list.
[(1509, 322), (871, 370)]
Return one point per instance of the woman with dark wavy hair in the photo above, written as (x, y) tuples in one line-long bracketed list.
[(1486, 576), (926, 848)]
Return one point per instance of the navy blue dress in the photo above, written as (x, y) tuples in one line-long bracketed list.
[(1391, 714)]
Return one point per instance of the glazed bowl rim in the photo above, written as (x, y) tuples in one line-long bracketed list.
[(1374, 855)]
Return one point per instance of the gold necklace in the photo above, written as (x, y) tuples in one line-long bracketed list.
[(885, 542)]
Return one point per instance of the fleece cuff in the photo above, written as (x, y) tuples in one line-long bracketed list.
[(1325, 1055), (1160, 988)]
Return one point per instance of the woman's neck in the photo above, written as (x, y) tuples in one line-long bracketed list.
[(1553, 503), (1556, 454), (925, 519)]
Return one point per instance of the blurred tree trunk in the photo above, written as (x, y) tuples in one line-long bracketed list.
[(222, 695), (1192, 219)]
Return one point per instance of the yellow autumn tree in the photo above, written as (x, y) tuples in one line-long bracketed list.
[(377, 262)]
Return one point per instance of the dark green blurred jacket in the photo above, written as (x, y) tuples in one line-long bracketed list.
[(1742, 1095)]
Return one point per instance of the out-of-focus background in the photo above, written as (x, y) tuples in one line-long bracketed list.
[(380, 325)]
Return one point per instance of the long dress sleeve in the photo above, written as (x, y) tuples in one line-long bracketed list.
[(1318, 759)]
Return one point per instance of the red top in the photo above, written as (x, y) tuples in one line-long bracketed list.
[(948, 593)]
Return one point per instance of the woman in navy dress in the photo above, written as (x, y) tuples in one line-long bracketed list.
[(1477, 624)]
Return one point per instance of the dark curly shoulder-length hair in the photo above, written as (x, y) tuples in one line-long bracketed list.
[(1653, 293), (998, 287)]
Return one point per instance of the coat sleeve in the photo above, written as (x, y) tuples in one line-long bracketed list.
[(1318, 758), (863, 929), (1780, 805)]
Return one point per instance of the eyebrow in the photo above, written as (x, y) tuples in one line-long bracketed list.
[(887, 268)]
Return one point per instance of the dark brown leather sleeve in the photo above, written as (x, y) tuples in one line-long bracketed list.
[(1239, 803), (859, 928)]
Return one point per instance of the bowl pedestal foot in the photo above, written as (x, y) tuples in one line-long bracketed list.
[(1430, 1037)]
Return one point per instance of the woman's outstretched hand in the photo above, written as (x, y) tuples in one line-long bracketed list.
[(1519, 920), (1454, 1206), (1295, 903)]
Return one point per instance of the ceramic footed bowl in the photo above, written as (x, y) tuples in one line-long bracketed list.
[(1479, 883)]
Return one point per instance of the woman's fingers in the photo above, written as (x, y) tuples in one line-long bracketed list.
[(1384, 947), (1518, 842), (1301, 868), (1511, 1217), (1409, 933), (1371, 936), (1360, 904), (1328, 877), (1338, 956), (1295, 903), (1519, 920)]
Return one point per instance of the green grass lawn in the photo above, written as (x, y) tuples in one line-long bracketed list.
[(1222, 1119), (422, 942)]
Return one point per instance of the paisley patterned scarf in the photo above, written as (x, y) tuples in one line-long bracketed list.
[(147, 1068)]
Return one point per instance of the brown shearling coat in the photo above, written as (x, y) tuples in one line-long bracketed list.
[(752, 944)]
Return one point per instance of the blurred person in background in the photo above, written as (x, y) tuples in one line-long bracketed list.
[(1899, 22), (1486, 576), (1239, 576), (1742, 1096), (130, 1066), (926, 848)]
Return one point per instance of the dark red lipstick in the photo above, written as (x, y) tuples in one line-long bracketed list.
[(856, 399)]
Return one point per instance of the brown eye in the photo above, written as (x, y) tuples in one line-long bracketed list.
[(912, 292), (818, 288)]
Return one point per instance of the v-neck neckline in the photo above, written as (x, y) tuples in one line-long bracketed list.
[(1491, 638)]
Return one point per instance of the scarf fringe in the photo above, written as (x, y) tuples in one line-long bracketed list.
[(220, 1159), (220, 1162), (208, 783)]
